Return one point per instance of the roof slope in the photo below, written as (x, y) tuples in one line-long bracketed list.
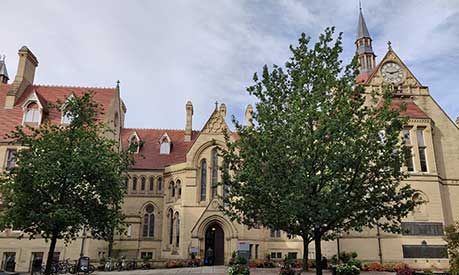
[(10, 118), (149, 156)]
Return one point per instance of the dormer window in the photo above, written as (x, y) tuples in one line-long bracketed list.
[(33, 110), (66, 116), (32, 113), (165, 145), (134, 142)]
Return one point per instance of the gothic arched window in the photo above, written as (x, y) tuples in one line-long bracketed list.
[(171, 226), (172, 190), (142, 183), (203, 179), (179, 189), (152, 184), (149, 221), (177, 229), (160, 185), (214, 172), (134, 183)]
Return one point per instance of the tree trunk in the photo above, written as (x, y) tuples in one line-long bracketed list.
[(49, 261), (305, 253), (110, 247), (317, 238)]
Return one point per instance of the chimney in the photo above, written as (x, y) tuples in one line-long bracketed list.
[(3, 72), (248, 115), (189, 121), (24, 76), (223, 110)]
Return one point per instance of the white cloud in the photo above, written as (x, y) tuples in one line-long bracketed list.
[(166, 52)]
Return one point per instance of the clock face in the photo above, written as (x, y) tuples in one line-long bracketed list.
[(392, 72)]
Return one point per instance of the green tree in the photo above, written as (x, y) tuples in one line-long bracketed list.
[(452, 239), (323, 155), (68, 178)]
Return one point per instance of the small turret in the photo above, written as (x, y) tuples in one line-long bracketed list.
[(3, 72)]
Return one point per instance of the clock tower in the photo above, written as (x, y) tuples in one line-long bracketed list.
[(364, 47)]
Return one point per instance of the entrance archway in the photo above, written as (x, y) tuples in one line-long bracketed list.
[(215, 240)]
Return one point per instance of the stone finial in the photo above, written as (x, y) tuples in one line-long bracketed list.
[(457, 121), (223, 110), (248, 115)]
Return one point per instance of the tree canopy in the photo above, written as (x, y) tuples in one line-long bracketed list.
[(67, 178), (323, 155)]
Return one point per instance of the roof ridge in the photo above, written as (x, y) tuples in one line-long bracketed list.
[(159, 129), (72, 86)]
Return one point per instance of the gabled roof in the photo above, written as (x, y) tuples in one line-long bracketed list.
[(10, 118), (390, 56), (149, 156)]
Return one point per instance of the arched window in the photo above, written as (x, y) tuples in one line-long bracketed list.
[(134, 183), (134, 142), (214, 172), (126, 183), (203, 179), (32, 113), (165, 144), (149, 221), (152, 184), (172, 190), (171, 226), (160, 185), (179, 189), (177, 229), (142, 183)]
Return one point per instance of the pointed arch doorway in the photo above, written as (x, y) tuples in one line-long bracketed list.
[(215, 241)]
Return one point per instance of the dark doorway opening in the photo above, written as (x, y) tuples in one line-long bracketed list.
[(215, 245)]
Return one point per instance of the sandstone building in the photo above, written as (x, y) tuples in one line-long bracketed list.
[(171, 203)]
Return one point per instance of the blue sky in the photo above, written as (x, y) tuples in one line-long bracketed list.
[(167, 52)]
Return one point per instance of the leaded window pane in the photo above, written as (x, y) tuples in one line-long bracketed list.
[(203, 179), (214, 172), (145, 225)]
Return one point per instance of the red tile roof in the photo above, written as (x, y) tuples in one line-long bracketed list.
[(412, 110), (149, 156), (362, 78), (10, 118)]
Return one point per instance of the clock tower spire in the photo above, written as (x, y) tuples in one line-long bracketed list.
[(363, 43)]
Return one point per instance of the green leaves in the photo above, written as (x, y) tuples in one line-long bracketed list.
[(315, 155), (67, 176)]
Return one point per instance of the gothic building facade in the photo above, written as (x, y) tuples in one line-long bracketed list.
[(172, 202)]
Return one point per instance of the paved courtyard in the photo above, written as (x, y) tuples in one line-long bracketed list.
[(217, 270)]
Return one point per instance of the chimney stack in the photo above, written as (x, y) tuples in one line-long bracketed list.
[(248, 115), (189, 121), (24, 76), (223, 110), (3, 72)]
